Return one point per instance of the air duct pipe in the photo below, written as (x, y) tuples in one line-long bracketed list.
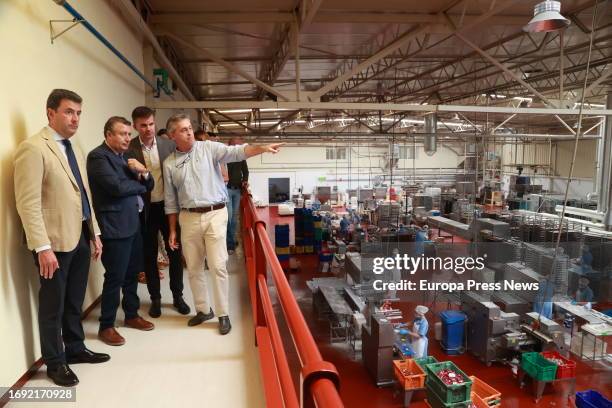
[(78, 17), (430, 136)]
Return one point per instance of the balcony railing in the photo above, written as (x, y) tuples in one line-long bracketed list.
[(319, 379)]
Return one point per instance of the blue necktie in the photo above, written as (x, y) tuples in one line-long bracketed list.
[(77, 176)]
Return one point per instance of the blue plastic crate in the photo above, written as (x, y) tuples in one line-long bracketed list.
[(592, 399)]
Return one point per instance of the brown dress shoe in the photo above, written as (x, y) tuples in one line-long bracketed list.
[(111, 337), (139, 323)]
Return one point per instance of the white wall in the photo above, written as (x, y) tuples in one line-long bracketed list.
[(560, 158), (307, 165)]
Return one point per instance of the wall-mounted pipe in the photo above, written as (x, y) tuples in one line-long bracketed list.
[(104, 41)]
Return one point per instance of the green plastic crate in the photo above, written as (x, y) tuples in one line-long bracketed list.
[(422, 362), (448, 394), (538, 367), (434, 401)]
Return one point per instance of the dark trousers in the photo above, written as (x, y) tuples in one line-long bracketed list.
[(122, 259), (60, 302), (155, 222)]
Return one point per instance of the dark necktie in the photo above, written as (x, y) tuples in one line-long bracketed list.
[(72, 161)]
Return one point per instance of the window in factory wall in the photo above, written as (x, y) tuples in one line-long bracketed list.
[(335, 153), (407, 152), (278, 190)]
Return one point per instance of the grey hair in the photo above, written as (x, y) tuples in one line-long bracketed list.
[(174, 119)]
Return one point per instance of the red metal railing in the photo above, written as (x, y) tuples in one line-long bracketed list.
[(319, 380)]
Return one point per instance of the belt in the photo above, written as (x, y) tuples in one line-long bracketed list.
[(205, 209)]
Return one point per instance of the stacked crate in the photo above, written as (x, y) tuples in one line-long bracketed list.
[(299, 229), (484, 395), (318, 233), (304, 231), (441, 395), (281, 239)]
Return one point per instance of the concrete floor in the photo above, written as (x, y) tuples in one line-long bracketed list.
[(173, 365)]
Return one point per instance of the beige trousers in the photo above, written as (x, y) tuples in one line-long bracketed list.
[(203, 236)]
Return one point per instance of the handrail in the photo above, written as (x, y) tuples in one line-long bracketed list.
[(319, 379)]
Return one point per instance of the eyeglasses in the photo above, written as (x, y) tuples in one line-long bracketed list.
[(185, 161)]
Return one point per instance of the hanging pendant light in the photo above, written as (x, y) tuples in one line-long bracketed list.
[(546, 17)]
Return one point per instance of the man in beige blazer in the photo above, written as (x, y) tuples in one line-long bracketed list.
[(54, 203)]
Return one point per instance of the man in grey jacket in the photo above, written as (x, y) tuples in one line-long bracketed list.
[(151, 151)]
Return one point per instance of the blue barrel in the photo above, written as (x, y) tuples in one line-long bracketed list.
[(453, 327)]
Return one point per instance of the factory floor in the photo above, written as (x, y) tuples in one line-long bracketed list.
[(357, 388)]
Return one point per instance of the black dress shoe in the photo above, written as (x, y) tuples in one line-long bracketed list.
[(155, 310), (224, 325), (200, 318), (182, 307), (87, 356), (62, 375)]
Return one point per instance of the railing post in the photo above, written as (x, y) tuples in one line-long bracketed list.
[(319, 379), (260, 269), (311, 373)]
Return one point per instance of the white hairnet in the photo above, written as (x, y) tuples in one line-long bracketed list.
[(421, 309)]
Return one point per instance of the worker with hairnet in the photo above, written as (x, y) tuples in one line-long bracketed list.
[(586, 260), (542, 303), (420, 327), (422, 235), (584, 294)]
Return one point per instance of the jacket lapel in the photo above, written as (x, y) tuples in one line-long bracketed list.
[(137, 150), (117, 160), (52, 144)]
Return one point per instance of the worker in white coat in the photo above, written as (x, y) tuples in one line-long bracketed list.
[(420, 327)]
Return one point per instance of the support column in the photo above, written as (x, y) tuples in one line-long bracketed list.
[(604, 203)]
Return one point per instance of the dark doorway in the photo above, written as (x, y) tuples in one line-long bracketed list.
[(278, 190)]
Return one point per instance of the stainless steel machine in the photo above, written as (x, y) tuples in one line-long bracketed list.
[(486, 324), (545, 331)]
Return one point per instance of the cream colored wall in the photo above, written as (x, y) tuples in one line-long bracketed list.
[(30, 68), (307, 166), (585, 158)]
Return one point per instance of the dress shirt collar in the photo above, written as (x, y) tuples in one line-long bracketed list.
[(56, 136), (144, 146), (177, 151), (113, 150)]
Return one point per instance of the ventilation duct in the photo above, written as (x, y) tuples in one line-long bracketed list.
[(430, 137)]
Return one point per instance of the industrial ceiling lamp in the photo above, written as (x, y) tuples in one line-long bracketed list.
[(547, 17)]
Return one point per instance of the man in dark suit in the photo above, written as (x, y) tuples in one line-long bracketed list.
[(116, 185), (151, 151), (53, 200)]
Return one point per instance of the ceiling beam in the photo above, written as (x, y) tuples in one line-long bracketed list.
[(513, 75), (234, 121), (401, 41), (324, 17), (406, 107), (233, 68), (134, 16), (289, 36), (222, 17)]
